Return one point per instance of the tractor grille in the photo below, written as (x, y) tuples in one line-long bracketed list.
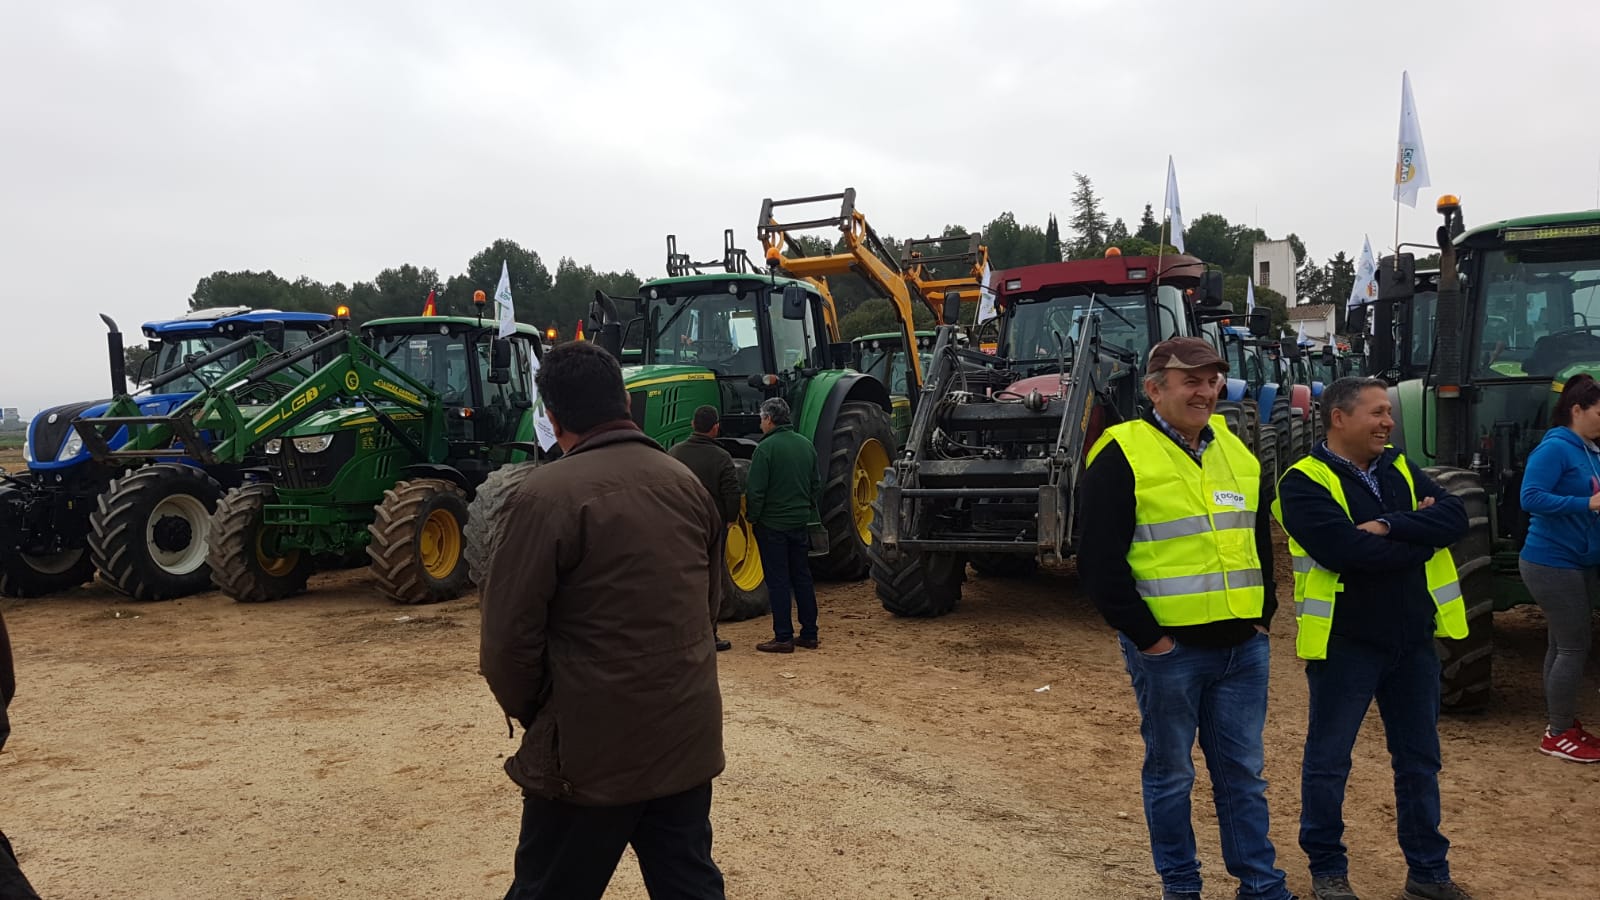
[(295, 470)]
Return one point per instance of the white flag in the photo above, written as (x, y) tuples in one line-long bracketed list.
[(1301, 340), (1249, 295), (1174, 207), (1365, 290), (504, 309), (542, 428), (1411, 162), (986, 295)]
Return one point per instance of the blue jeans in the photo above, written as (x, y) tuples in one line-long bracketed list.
[(785, 559), (1405, 682), (1221, 695)]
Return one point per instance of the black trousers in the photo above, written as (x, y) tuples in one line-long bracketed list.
[(13, 885), (569, 852)]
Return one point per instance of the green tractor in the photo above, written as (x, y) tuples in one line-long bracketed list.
[(883, 357), (379, 449), (1482, 351)]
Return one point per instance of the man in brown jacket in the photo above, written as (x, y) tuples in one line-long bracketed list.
[(13, 885), (597, 619)]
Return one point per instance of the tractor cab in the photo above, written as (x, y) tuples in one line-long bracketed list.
[(883, 357)]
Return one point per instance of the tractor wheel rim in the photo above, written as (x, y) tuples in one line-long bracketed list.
[(274, 566), (744, 557), (53, 563), (871, 461), (180, 556), (440, 544)]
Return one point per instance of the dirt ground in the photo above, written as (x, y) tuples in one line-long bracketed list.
[(335, 745)]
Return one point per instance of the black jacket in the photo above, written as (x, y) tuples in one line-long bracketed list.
[(1385, 599), (8, 681), (1106, 494), (714, 467)]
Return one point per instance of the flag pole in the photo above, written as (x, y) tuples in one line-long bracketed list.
[(1161, 247), (1397, 235)]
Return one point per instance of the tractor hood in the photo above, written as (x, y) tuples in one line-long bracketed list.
[(53, 443), (1047, 385), (325, 421), (644, 376)]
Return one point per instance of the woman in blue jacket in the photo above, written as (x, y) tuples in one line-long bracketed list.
[(1561, 492)]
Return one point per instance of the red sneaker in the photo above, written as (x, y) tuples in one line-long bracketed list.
[(1584, 735), (1569, 745)]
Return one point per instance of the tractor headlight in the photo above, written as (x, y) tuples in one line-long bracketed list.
[(27, 451), (72, 447), (273, 447), (314, 444)]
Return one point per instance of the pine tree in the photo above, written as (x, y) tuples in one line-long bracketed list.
[(1088, 219), (1052, 241), (1149, 228)]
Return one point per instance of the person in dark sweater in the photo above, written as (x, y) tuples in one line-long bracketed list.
[(1178, 559), (1371, 524), (781, 501), (714, 467), (13, 884)]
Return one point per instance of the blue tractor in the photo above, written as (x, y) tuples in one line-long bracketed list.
[(56, 528)]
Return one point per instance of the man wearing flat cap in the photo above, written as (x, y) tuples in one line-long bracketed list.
[(1179, 561)]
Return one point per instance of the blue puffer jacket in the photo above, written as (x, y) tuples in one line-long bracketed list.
[(1563, 472)]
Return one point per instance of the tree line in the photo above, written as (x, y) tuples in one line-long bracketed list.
[(559, 299)]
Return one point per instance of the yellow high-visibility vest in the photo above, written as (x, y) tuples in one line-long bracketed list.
[(1316, 588), (1193, 554)]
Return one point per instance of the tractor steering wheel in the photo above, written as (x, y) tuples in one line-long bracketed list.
[(711, 348)]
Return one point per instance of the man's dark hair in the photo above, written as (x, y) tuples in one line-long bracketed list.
[(582, 386), (1580, 392), (705, 419), (1342, 395)]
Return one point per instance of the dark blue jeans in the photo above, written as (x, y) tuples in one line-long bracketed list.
[(1221, 695), (1405, 682), (785, 559)]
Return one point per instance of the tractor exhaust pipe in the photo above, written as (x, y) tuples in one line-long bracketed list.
[(119, 359), (1448, 368)]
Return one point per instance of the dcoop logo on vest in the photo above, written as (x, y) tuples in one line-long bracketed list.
[(1228, 498)]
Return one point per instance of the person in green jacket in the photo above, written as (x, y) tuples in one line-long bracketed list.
[(780, 500)]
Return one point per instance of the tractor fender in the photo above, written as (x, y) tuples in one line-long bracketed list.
[(1316, 390), (1235, 390), (441, 472), (1269, 396), (1300, 398), (846, 388)]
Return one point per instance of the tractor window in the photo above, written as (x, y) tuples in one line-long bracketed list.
[(792, 341), (717, 331), (1541, 311), (437, 360), (509, 394), (175, 350), (1038, 329)]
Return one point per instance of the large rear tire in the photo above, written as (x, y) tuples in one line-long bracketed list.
[(417, 549), (858, 455), (1466, 677), (1268, 457), (914, 584), (482, 533), (148, 532), (243, 565), (1299, 439)]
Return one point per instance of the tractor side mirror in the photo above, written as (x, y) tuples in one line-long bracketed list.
[(794, 302), (842, 355), (952, 307), (1328, 358), (272, 333), (1356, 320), (499, 361), (1211, 289), (1260, 323), (1290, 350), (1397, 277)]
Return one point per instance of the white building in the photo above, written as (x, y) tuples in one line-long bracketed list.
[(1273, 267), (1317, 319)]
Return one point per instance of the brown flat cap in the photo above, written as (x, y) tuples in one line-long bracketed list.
[(1184, 353)]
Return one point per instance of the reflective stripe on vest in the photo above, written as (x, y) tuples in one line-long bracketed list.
[(1193, 553), (1316, 587)]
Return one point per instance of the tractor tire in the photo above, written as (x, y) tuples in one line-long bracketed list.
[(483, 517), (417, 547), (148, 532), (1003, 565), (1466, 677), (24, 575), (744, 583), (858, 455), (1299, 440), (914, 584), (1283, 430), (1251, 422), (1268, 457), (240, 567), (1234, 416)]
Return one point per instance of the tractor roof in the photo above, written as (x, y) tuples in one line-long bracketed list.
[(1109, 271), (1552, 226), (724, 277), (471, 321), (225, 319)]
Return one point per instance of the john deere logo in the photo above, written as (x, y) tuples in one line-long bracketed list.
[(1406, 169), (352, 381)]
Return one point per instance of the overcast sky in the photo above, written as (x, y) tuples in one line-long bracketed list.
[(143, 145)]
